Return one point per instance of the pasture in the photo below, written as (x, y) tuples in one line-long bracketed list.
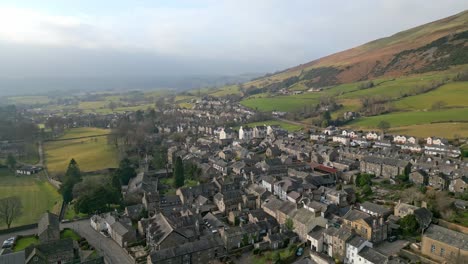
[(36, 193), (453, 94), (413, 118), (91, 153), (446, 130)]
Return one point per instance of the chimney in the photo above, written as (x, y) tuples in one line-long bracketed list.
[(381, 221), (423, 204), (374, 223)]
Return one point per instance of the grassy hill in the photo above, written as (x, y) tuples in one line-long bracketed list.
[(436, 44)]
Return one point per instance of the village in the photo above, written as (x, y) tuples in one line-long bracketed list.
[(320, 196)]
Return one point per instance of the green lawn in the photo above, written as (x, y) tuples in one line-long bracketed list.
[(413, 118), (93, 153), (70, 213), (36, 194), (282, 124), (446, 130), (69, 233), (85, 132), (24, 242)]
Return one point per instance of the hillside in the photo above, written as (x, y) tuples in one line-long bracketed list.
[(433, 46)]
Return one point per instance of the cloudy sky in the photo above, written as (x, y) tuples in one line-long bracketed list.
[(50, 38)]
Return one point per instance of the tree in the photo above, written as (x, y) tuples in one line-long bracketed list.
[(289, 224), (179, 177), (437, 105), (363, 180), (383, 125), (367, 190), (11, 162), (125, 171), (276, 257), (72, 177), (409, 225), (98, 200), (10, 209), (112, 105)]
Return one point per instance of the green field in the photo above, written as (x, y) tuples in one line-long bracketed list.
[(413, 118), (453, 94), (92, 153), (29, 100), (36, 194), (446, 130), (287, 126), (85, 132)]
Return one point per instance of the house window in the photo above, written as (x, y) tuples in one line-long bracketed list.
[(432, 248), (442, 252)]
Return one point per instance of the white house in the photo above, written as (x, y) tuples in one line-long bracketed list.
[(272, 128), (246, 133), (372, 136), (341, 139), (436, 141), (354, 247), (226, 133), (260, 132)]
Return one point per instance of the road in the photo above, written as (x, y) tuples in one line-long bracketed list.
[(112, 252)]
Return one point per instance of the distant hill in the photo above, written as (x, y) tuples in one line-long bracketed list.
[(433, 46)]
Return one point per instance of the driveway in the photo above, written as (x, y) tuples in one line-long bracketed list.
[(392, 248), (112, 252)]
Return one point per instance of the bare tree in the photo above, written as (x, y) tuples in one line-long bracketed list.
[(10, 209)]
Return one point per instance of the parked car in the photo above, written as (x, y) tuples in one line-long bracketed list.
[(392, 239), (299, 252), (9, 243)]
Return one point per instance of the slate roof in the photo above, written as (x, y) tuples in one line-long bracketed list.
[(48, 220), (357, 241), (385, 161), (353, 215), (376, 208), (447, 236), (372, 255), (187, 248), (51, 248), (317, 232), (13, 258)]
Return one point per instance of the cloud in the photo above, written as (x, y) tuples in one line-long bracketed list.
[(252, 35)]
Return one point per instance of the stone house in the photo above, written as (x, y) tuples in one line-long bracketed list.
[(371, 228), (197, 252), (459, 185), (337, 239), (438, 181), (375, 209), (444, 245), (418, 178), (304, 221), (53, 251), (48, 228), (385, 167), (228, 201)]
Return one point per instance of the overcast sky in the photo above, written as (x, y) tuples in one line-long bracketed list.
[(50, 38)]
